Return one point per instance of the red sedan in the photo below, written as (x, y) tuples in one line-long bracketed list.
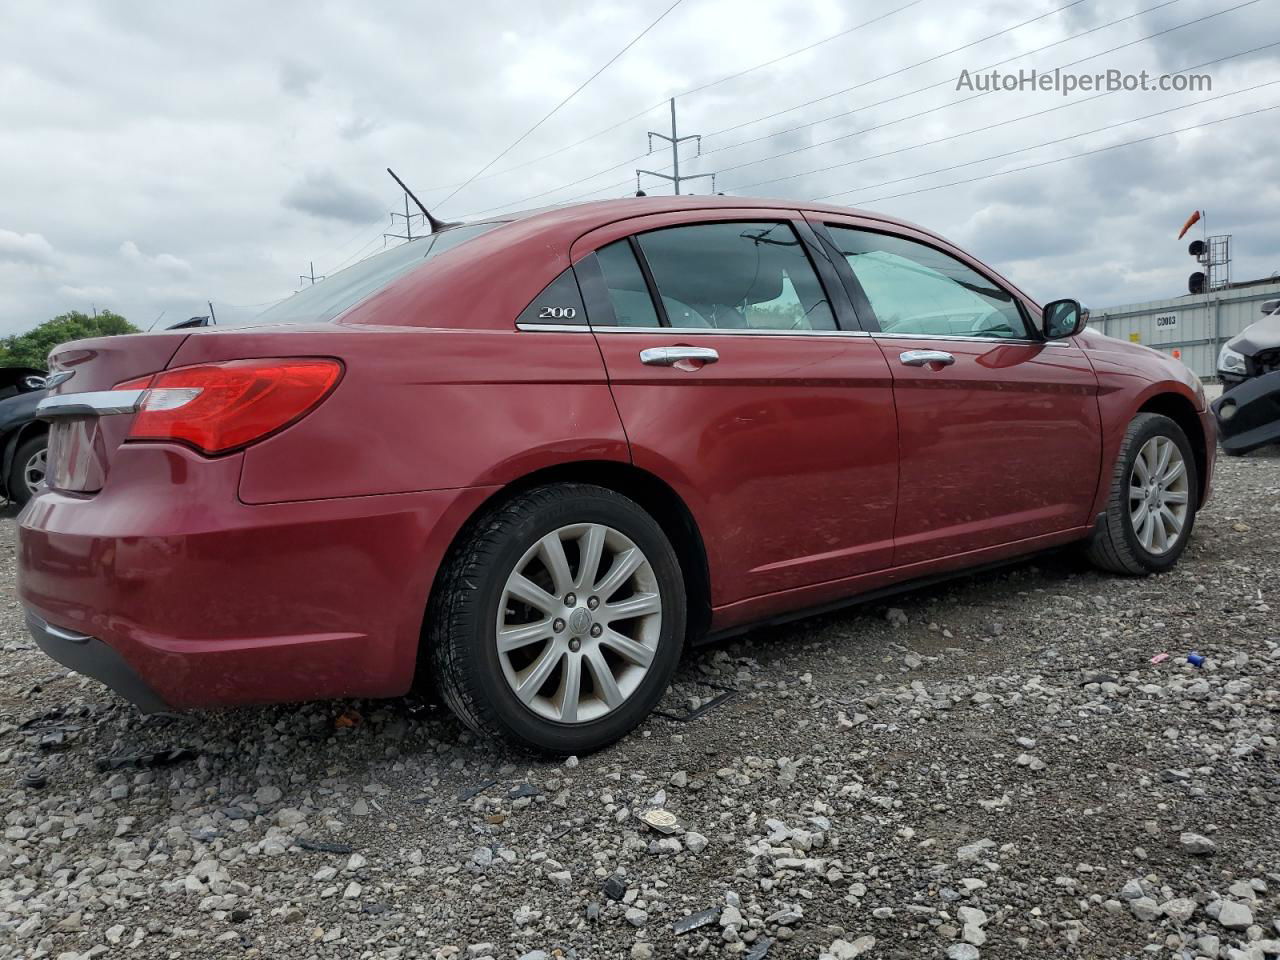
[(532, 458)]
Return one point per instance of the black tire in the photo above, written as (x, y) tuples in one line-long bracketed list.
[(19, 492), (1115, 546), (461, 617)]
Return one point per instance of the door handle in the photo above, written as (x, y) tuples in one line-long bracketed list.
[(918, 358), (670, 356)]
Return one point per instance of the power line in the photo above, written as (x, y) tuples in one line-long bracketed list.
[(1049, 143), (582, 86), (894, 73), (627, 163), (933, 86), (1074, 156), (662, 103), (941, 83), (793, 53), (965, 133)]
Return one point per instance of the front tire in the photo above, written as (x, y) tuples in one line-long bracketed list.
[(1152, 507), (557, 623)]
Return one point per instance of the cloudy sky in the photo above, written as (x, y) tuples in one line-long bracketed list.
[(156, 156)]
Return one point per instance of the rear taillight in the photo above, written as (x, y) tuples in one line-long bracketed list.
[(219, 407)]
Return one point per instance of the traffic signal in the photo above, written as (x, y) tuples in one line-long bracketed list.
[(1199, 250)]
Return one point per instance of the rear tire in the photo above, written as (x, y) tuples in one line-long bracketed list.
[(583, 659), (27, 470), (1150, 511)]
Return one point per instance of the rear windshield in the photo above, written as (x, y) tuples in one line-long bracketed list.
[(327, 299)]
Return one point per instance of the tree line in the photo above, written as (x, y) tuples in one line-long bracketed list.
[(31, 349)]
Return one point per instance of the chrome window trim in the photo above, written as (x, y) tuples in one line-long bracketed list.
[(691, 331), (713, 331), (94, 403), (961, 338)]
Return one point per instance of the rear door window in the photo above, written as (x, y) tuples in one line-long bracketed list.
[(736, 276)]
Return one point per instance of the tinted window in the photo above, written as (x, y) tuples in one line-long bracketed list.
[(632, 305), (560, 302), (914, 288), (336, 294), (736, 276)]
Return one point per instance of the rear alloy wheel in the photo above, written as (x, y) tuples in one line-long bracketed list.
[(26, 474), (1152, 506), (559, 624)]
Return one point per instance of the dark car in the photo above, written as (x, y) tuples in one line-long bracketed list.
[(1248, 411), (533, 459), (23, 438)]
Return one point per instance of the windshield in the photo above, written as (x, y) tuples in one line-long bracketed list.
[(325, 300)]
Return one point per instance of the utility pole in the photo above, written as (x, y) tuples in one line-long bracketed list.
[(675, 140), (310, 276), (408, 224)]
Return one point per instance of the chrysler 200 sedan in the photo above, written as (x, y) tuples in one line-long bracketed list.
[(529, 459)]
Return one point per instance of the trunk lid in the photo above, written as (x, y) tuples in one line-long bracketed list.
[(81, 448)]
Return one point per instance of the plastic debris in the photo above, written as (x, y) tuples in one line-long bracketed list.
[(34, 779), (467, 793), (1160, 658), (759, 950), (695, 921), (348, 718), (726, 694), (614, 887), (523, 790), (165, 757), (1195, 659), (663, 821)]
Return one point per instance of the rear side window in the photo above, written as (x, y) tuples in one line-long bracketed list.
[(628, 292), (736, 276), (560, 302), (915, 289)]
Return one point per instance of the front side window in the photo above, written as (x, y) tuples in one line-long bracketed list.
[(736, 276), (916, 289)]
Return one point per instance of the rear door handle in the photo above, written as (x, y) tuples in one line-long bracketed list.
[(670, 356), (918, 358)]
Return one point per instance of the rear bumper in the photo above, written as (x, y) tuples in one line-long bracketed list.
[(186, 597), (1252, 414), (93, 658)]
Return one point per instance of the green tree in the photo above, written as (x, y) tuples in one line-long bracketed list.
[(31, 349)]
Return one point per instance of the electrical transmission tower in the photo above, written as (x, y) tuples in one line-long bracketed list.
[(310, 276), (408, 223), (675, 140)]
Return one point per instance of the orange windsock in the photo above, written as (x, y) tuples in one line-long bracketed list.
[(1191, 222)]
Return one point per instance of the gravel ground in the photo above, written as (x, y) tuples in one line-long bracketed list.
[(993, 768)]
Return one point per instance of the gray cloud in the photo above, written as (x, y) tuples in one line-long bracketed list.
[(324, 194), (25, 248), (139, 173)]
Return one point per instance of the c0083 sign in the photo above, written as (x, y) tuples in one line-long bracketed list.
[(1166, 321)]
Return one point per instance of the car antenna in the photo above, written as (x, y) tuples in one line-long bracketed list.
[(436, 225), (213, 317)]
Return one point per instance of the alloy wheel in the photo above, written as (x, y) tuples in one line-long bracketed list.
[(34, 469), (1158, 495), (578, 623)]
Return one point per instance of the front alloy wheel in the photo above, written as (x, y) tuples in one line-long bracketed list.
[(1158, 495), (557, 621)]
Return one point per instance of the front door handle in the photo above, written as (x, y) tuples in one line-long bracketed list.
[(670, 356), (918, 358)]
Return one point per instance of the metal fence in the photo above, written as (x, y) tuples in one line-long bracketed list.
[(1193, 328)]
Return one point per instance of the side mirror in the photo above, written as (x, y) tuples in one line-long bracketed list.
[(1063, 318), (1270, 307), (32, 383)]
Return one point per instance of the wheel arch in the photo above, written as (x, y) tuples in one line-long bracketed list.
[(1182, 411), (652, 493)]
